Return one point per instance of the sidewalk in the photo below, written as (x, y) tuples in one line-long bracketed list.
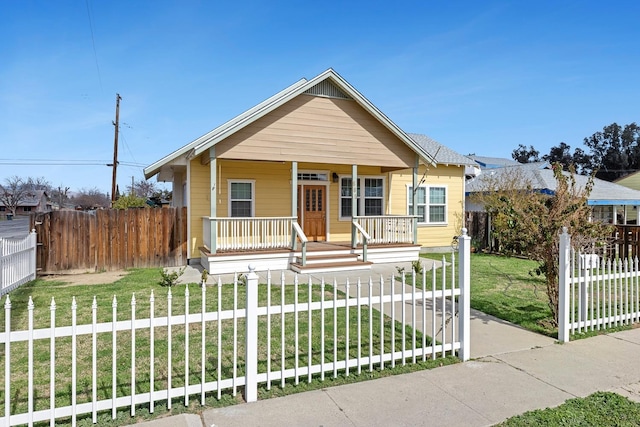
[(512, 371)]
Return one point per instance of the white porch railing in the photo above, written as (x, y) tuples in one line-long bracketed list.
[(17, 261), (387, 229), (358, 326), (242, 234)]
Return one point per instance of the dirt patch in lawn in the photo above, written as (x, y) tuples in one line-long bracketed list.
[(84, 278)]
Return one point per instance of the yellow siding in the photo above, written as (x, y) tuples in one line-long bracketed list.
[(317, 129), (452, 177), (199, 200)]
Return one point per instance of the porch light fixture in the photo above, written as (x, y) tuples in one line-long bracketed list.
[(334, 177)]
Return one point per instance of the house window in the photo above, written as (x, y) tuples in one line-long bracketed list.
[(3, 208), (370, 202), (26, 208), (431, 204), (241, 199)]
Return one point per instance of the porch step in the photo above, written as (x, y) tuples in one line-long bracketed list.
[(328, 258), (328, 267)]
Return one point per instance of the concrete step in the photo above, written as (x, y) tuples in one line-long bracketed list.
[(327, 258), (330, 267)]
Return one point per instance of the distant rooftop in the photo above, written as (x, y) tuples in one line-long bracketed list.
[(492, 162)]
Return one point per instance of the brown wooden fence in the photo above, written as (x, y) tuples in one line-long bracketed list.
[(111, 239)]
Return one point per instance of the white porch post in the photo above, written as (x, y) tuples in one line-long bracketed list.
[(354, 203), (294, 189), (213, 171), (294, 201), (414, 200)]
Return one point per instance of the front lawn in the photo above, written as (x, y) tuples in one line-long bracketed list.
[(598, 409), (507, 288)]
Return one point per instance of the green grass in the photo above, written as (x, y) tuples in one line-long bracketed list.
[(142, 282), (598, 409), (504, 287)]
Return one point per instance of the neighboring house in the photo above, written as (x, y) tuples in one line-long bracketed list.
[(492, 162), (611, 202), (36, 201), (277, 185)]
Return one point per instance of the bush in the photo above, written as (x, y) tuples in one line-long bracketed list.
[(170, 279)]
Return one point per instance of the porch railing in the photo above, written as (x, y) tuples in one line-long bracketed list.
[(241, 234), (298, 233), (387, 229)]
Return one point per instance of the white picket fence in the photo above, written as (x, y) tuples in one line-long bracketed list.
[(337, 329), (595, 293), (17, 261)]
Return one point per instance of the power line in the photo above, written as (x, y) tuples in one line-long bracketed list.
[(93, 43), (49, 162)]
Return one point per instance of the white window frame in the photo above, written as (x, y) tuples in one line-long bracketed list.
[(253, 195), (361, 198), (427, 188)]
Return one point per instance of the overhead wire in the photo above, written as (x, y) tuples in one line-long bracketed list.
[(93, 43)]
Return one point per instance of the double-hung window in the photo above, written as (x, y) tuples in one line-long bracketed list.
[(370, 202), (431, 204), (241, 199)]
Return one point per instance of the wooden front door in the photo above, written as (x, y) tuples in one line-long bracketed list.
[(312, 201)]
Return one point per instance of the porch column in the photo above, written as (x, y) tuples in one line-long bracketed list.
[(294, 202), (213, 211), (354, 203), (294, 189), (414, 200)]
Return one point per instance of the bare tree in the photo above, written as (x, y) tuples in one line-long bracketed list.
[(14, 192), (91, 198), (142, 188)]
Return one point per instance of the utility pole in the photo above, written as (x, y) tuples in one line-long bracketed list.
[(116, 124)]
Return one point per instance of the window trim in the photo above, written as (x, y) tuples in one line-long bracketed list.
[(427, 204), (230, 182), (361, 198), (314, 172)]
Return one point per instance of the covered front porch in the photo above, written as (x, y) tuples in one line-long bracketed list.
[(280, 243)]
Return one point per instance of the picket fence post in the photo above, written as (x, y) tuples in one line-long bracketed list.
[(563, 286), (251, 347), (464, 302)]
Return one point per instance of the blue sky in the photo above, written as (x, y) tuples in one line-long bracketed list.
[(478, 76)]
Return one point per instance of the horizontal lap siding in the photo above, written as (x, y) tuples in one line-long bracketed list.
[(200, 201), (450, 176), (272, 186), (316, 129)]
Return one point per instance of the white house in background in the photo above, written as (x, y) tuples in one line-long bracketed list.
[(611, 202)]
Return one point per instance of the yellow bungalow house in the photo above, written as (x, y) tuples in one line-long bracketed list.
[(277, 185)]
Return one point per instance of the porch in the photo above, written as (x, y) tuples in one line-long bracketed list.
[(280, 243)]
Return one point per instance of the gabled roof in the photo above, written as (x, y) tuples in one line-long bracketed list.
[(442, 154), (202, 144), (542, 179)]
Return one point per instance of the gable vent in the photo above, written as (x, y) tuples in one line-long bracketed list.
[(328, 89)]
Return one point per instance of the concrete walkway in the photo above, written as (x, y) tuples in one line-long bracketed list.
[(512, 371)]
